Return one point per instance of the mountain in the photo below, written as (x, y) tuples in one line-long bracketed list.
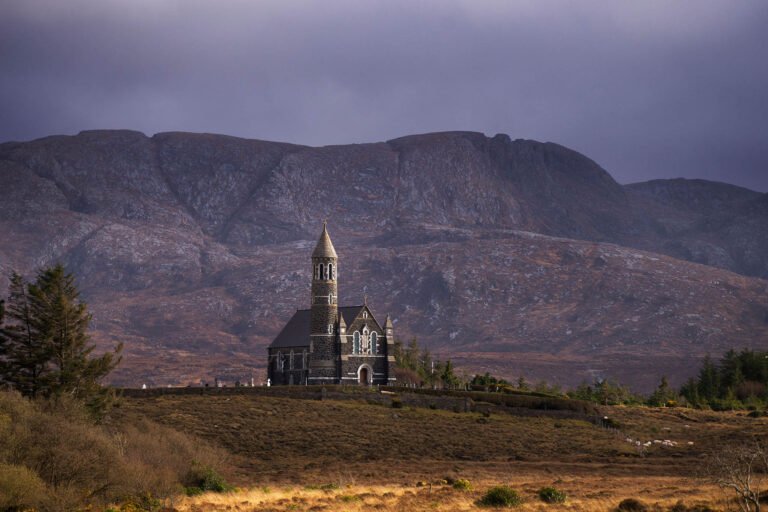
[(513, 256)]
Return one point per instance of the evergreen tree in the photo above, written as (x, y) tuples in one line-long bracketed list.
[(45, 343), (690, 391), (26, 353), (662, 395), (449, 379), (709, 380), (63, 320)]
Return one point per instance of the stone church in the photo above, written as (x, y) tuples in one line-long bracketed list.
[(328, 343)]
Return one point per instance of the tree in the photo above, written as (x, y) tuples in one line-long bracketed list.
[(24, 349), (709, 380), (48, 350), (662, 395), (448, 378), (742, 469)]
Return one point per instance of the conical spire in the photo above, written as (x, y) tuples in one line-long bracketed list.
[(324, 247)]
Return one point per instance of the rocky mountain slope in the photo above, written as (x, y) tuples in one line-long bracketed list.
[(511, 255)]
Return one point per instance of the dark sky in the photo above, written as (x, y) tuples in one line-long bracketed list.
[(646, 88)]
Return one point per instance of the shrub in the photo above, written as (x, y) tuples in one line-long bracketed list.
[(397, 403), (20, 488), (632, 505), (551, 495), (500, 496), (56, 445), (462, 484), (206, 478), (755, 414)]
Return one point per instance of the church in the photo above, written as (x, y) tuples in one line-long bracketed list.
[(328, 343)]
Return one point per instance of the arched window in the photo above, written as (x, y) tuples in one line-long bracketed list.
[(290, 361), (366, 349), (330, 271), (303, 359), (356, 343), (374, 337), (333, 276), (280, 361)]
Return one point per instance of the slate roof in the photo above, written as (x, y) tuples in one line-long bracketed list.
[(324, 247), (296, 331)]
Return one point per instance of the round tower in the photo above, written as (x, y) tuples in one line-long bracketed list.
[(325, 310)]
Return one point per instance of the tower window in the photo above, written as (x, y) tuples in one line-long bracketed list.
[(331, 271), (330, 328)]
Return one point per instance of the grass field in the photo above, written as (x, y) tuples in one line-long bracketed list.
[(372, 457)]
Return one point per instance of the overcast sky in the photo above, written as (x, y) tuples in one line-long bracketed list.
[(648, 89)]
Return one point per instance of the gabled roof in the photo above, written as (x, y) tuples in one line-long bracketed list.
[(349, 313), (296, 331), (324, 247)]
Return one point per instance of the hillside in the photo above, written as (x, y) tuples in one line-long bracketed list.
[(508, 255)]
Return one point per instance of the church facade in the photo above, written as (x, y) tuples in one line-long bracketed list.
[(328, 343)]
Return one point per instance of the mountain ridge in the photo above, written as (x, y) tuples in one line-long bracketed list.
[(171, 236)]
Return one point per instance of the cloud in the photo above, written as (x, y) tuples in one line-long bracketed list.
[(647, 89)]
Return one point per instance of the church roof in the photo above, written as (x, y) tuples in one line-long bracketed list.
[(324, 247), (296, 331)]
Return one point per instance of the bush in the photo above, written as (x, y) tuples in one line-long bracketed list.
[(206, 479), (500, 496), (20, 488), (632, 505), (462, 484), (56, 445), (551, 495), (397, 403)]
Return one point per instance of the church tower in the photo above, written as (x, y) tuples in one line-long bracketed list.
[(323, 351)]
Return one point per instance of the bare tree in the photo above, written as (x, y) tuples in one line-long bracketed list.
[(743, 469)]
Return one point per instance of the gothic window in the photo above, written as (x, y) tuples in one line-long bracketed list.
[(280, 362), (331, 272), (303, 359), (374, 337), (290, 361), (365, 314), (330, 328), (356, 343), (333, 276)]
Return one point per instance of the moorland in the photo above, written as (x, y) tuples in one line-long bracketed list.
[(357, 453)]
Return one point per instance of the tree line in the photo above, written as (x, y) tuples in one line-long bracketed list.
[(739, 380), (45, 349)]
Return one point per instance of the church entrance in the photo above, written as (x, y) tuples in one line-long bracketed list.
[(364, 376)]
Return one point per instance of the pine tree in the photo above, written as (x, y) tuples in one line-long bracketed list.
[(709, 380), (447, 376), (45, 349), (62, 320), (24, 349)]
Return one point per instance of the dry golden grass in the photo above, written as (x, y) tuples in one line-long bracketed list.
[(584, 494), (376, 455)]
